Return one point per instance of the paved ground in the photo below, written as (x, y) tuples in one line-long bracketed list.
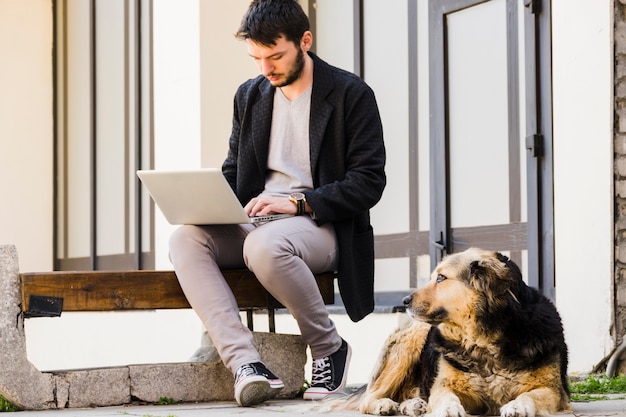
[(616, 407)]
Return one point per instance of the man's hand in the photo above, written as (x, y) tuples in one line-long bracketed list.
[(265, 204)]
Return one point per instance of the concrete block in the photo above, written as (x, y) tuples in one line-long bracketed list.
[(621, 254), (620, 36), (185, 382), (621, 166), (284, 354), (62, 390), (206, 352), (98, 387), (620, 66), (20, 382), (620, 144), (620, 189), (620, 88), (620, 115)]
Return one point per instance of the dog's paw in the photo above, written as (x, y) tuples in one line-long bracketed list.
[(414, 407), (381, 407), (518, 408), (450, 410)]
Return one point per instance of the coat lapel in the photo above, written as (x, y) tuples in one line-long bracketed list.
[(261, 124)]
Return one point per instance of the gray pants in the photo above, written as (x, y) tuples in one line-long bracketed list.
[(283, 254)]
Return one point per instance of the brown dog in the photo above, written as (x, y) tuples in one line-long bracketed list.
[(482, 342)]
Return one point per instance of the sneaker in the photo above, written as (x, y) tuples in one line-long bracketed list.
[(329, 373), (254, 383)]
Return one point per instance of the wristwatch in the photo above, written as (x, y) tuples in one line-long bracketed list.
[(299, 200)]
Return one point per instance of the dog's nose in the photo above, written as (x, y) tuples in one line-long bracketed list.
[(407, 300)]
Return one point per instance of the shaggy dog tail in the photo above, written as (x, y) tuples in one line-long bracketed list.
[(347, 400)]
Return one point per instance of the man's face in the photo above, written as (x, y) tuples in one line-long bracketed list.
[(281, 64)]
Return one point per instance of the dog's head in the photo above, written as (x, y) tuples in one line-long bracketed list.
[(464, 287)]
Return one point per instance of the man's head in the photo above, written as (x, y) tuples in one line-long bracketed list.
[(267, 20), (278, 36)]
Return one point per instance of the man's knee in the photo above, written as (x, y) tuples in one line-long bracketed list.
[(181, 236), (184, 239), (263, 253)]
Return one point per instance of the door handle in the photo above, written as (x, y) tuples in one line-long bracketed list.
[(441, 245)]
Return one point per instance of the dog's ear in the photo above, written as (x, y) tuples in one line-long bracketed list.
[(476, 268), (491, 276), (502, 258), (512, 266)]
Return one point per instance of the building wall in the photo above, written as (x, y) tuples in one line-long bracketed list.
[(582, 65), (177, 98), (583, 86), (224, 64), (620, 172), (26, 126)]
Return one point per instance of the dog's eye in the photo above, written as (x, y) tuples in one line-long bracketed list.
[(440, 278)]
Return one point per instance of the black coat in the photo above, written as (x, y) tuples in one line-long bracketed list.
[(347, 156)]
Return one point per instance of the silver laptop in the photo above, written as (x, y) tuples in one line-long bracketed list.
[(200, 196)]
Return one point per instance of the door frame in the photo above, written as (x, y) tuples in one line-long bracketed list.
[(540, 173), (536, 235)]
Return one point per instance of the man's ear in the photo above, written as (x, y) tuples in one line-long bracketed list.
[(306, 42)]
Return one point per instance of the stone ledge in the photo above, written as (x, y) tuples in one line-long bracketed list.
[(181, 382)]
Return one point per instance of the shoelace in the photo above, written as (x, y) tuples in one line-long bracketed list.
[(321, 371), (245, 370)]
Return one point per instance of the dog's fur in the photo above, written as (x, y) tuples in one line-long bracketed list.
[(481, 342)]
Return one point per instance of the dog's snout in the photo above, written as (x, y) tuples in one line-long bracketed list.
[(407, 300)]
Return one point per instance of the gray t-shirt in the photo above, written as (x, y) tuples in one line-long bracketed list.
[(288, 161)]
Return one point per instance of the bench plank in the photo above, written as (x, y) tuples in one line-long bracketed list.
[(143, 290)]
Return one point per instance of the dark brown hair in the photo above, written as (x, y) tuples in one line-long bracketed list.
[(267, 20)]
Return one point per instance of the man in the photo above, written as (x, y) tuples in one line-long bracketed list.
[(306, 140)]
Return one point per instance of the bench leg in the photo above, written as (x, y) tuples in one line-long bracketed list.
[(271, 317), (250, 319)]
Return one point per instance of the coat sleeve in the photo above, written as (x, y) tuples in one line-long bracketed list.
[(354, 146)]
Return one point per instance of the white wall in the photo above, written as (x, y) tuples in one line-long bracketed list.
[(334, 37), (583, 175), (26, 130), (176, 99), (224, 64)]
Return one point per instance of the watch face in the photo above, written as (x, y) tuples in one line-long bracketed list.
[(297, 196)]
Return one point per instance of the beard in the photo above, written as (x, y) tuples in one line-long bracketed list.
[(295, 71)]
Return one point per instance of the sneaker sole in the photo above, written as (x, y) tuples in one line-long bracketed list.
[(320, 395), (277, 385), (257, 391)]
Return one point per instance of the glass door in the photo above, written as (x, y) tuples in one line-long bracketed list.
[(479, 187)]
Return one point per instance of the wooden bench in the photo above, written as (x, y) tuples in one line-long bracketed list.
[(48, 294)]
